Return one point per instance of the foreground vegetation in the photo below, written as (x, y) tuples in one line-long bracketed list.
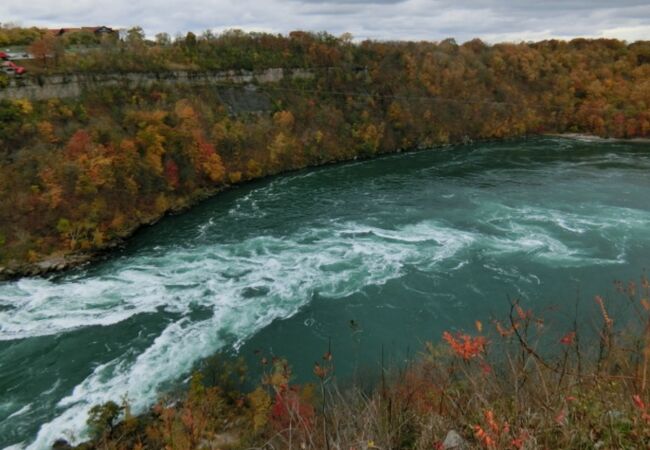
[(514, 383), (78, 175)]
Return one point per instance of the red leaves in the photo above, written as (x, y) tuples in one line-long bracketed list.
[(290, 411), (78, 144), (320, 371), (464, 345), (171, 174), (483, 437), (496, 435), (206, 149), (569, 338), (642, 407)]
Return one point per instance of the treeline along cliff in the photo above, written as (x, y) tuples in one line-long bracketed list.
[(79, 173)]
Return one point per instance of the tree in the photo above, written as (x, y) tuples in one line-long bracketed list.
[(163, 39), (135, 35), (190, 40), (43, 48)]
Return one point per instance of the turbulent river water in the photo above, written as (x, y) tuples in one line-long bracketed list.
[(377, 256)]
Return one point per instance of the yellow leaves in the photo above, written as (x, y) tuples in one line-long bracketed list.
[(46, 131), (66, 112), (98, 238), (260, 402), (284, 151), (219, 131), (24, 105), (118, 221), (150, 139), (154, 161), (63, 225), (228, 131), (32, 256), (645, 303), (152, 142), (54, 191), (131, 186), (75, 233), (145, 118), (128, 146), (253, 168), (235, 177), (214, 168), (161, 204), (185, 111), (278, 378), (279, 147), (284, 119), (100, 171), (398, 116), (369, 136), (85, 185), (442, 137)]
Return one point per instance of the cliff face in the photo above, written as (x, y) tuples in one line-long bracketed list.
[(71, 86)]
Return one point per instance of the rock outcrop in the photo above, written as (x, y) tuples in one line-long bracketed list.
[(70, 86)]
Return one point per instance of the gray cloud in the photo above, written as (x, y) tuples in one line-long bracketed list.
[(491, 20)]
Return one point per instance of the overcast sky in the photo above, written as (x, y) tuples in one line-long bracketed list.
[(491, 20)]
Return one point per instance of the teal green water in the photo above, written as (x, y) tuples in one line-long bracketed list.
[(406, 246)]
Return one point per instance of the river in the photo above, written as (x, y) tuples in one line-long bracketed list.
[(374, 256)]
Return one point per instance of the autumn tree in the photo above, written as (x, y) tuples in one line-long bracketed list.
[(46, 47)]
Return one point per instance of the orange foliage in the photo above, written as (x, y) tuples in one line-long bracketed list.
[(464, 345)]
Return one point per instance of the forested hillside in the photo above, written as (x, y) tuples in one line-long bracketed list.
[(78, 174)]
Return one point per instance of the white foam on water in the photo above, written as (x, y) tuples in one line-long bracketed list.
[(537, 232), (21, 411), (40, 307), (18, 446), (333, 262)]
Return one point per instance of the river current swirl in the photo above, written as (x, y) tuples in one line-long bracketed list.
[(406, 246)]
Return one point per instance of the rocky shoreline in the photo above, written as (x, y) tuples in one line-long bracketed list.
[(62, 262)]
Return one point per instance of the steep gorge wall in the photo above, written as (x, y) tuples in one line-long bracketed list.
[(70, 86)]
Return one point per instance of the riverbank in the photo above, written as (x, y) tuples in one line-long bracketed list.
[(67, 261)]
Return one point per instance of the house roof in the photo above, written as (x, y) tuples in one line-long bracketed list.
[(98, 29)]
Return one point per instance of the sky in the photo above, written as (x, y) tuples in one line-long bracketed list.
[(490, 20)]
